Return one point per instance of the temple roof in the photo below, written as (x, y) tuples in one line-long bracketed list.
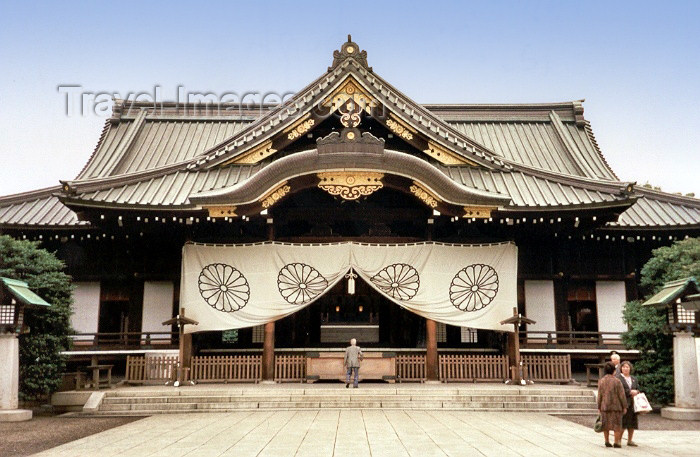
[(37, 209), (546, 136), (176, 188), (524, 156)]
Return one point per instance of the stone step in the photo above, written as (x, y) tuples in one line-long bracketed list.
[(162, 400), (140, 413), (341, 404), (175, 392), (324, 398)]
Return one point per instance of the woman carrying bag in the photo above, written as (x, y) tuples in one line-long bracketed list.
[(631, 386), (612, 405)]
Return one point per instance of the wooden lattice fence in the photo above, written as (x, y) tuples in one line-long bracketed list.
[(226, 368), (290, 367), (547, 368), (468, 367), (410, 367), (145, 370)]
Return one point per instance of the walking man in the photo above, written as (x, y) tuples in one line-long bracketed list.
[(353, 357)]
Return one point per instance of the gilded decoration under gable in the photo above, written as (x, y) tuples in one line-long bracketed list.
[(399, 128), (218, 211), (479, 212), (424, 195), (445, 156), (350, 185), (274, 196), (299, 128), (254, 155), (350, 91)]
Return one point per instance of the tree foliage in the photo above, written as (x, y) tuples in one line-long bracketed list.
[(647, 325), (40, 361), (680, 260), (654, 369)]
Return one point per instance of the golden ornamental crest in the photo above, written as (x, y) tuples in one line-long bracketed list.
[(350, 185)]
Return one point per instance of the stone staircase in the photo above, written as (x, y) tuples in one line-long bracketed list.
[(144, 401)]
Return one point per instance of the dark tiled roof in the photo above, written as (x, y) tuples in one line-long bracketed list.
[(656, 209), (37, 209)]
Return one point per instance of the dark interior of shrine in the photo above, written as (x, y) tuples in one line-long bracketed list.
[(338, 316)]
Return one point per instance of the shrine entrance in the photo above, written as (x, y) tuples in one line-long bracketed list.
[(339, 316)]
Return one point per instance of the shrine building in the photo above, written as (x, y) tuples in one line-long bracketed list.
[(349, 211)]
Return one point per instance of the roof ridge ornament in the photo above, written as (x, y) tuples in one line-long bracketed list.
[(349, 50), (350, 140)]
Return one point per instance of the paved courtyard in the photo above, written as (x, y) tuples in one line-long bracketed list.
[(357, 433)]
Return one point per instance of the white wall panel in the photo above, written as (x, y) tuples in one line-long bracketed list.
[(539, 305), (157, 305), (86, 307), (610, 301)]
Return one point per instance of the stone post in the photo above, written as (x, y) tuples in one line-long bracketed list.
[(9, 380), (686, 373)]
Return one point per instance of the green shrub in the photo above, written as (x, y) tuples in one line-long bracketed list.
[(654, 369), (668, 263), (647, 325), (40, 361)]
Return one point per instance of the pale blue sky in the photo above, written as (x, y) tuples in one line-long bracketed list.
[(636, 64)]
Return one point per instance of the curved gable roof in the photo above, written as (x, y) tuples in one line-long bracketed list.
[(540, 155)]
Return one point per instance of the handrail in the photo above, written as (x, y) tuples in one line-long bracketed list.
[(124, 339), (569, 338)]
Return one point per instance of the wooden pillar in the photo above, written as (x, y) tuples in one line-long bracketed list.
[(510, 349), (268, 357), (432, 368), (181, 351), (515, 336), (186, 350), (270, 228), (432, 372)]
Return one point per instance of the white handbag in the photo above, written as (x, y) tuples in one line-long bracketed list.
[(641, 404)]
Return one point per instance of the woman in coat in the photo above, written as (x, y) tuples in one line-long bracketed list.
[(631, 386), (612, 405)]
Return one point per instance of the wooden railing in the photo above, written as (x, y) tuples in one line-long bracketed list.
[(144, 370), (410, 367), (290, 367), (467, 367), (97, 341), (226, 368), (547, 368), (570, 339)]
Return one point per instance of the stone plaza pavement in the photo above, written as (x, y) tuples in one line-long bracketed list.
[(365, 432)]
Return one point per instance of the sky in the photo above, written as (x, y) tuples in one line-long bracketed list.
[(636, 63)]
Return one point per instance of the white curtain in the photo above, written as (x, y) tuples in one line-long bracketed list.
[(237, 286)]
